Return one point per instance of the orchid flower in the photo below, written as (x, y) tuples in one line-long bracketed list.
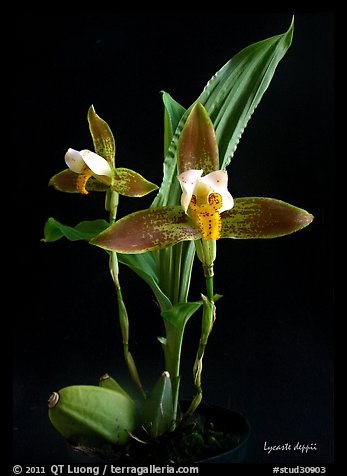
[(207, 210), (96, 171)]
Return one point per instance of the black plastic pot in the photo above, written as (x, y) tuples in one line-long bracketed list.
[(228, 421)]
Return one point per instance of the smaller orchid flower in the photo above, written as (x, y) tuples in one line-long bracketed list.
[(204, 199), (96, 171)]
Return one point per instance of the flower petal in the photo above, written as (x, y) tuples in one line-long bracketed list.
[(218, 182), (188, 181), (97, 164), (74, 160)]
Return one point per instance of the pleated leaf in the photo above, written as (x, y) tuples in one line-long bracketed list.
[(259, 217), (147, 230), (173, 111), (231, 96)]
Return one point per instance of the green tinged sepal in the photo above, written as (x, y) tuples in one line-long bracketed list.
[(158, 413), (147, 230), (260, 217), (103, 140), (66, 181), (197, 146), (88, 415), (129, 183)]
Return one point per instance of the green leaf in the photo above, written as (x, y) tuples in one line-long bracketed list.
[(158, 408), (179, 314), (232, 95), (229, 98), (173, 112), (66, 181), (131, 184), (259, 217), (85, 230), (85, 414), (147, 230), (144, 266), (197, 147), (103, 140)]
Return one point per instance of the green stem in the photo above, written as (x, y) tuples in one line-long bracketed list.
[(186, 274), (206, 251), (111, 204), (177, 264), (172, 352)]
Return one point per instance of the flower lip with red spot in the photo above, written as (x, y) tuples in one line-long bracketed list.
[(204, 198), (194, 184)]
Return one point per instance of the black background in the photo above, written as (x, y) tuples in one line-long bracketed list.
[(270, 355)]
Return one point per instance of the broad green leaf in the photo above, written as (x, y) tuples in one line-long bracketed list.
[(144, 266), (103, 140), (85, 413), (179, 314), (173, 112), (131, 184), (158, 408), (197, 147), (229, 98), (85, 230), (66, 181), (147, 230), (259, 217)]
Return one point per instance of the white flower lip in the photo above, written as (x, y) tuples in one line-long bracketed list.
[(76, 160), (96, 163), (216, 181)]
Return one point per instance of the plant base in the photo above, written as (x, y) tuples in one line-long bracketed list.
[(213, 434)]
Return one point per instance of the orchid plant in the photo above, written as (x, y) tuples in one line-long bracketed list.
[(192, 210)]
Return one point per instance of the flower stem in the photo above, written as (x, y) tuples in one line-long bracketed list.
[(206, 252), (111, 204)]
